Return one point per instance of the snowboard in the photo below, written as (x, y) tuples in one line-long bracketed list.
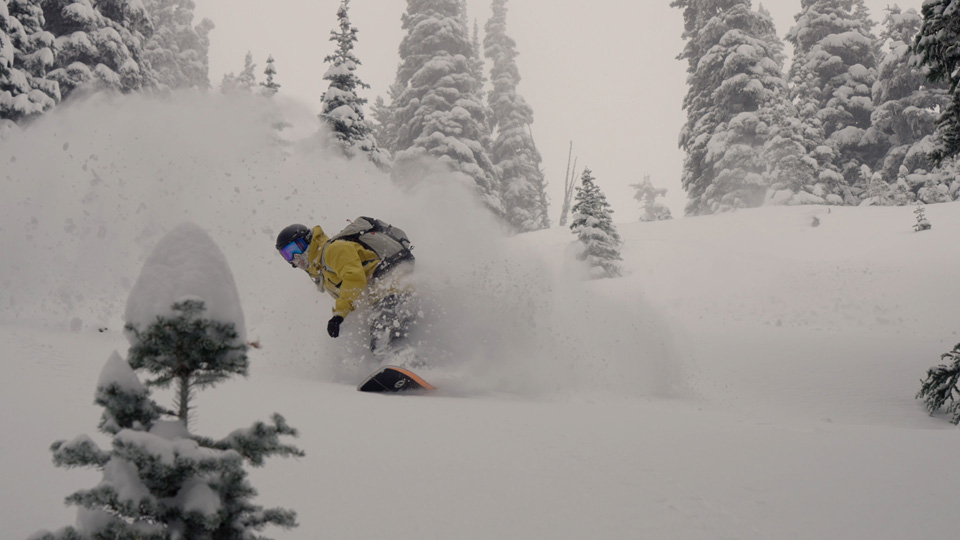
[(393, 379)]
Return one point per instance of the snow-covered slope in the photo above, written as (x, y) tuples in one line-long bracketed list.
[(751, 376)]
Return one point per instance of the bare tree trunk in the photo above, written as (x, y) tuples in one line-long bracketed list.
[(183, 399), (569, 183)]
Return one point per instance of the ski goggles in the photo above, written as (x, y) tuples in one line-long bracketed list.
[(297, 247)]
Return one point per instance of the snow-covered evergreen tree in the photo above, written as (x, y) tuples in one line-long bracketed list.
[(735, 86), (131, 19), (876, 192), (26, 52), (653, 210), (833, 71), (383, 128), (513, 151), (342, 107), (383, 115), (922, 223), (936, 49), (906, 113), (177, 50), (476, 53), (245, 82), (941, 388), (247, 79), (187, 351), (593, 225), (477, 68), (791, 173), (228, 84), (270, 86), (439, 113), (202, 493), (160, 481), (98, 45)]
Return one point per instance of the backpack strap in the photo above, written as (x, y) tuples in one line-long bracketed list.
[(323, 261)]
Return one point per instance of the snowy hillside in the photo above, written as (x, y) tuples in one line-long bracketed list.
[(751, 376)]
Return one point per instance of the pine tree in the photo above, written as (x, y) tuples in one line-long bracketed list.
[(936, 48), (383, 128), (187, 351), (595, 229), (790, 171), (653, 210), (228, 84), (160, 481), (131, 19), (26, 52), (513, 151), (922, 223), (245, 82), (203, 493), (385, 124), (476, 53), (438, 113), (12, 80), (477, 68), (833, 71), (270, 87), (98, 45), (735, 86), (941, 388), (342, 107), (906, 113), (876, 191), (177, 50)]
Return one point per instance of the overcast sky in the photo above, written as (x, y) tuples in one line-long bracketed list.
[(603, 74)]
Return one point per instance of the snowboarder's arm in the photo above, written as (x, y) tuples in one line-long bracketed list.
[(344, 260)]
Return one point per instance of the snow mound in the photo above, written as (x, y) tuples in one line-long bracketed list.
[(186, 264)]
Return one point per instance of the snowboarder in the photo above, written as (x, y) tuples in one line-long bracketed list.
[(355, 275)]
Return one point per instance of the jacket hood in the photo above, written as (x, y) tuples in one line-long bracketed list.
[(319, 237)]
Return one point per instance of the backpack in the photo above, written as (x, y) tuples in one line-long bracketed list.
[(389, 243)]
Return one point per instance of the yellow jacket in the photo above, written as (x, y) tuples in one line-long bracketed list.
[(349, 268)]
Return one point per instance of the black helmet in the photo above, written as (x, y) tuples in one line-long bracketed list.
[(293, 233), (292, 241)]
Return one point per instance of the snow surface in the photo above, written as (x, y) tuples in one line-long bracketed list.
[(751, 376), (118, 372)]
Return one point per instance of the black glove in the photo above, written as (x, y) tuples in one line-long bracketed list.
[(333, 327)]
